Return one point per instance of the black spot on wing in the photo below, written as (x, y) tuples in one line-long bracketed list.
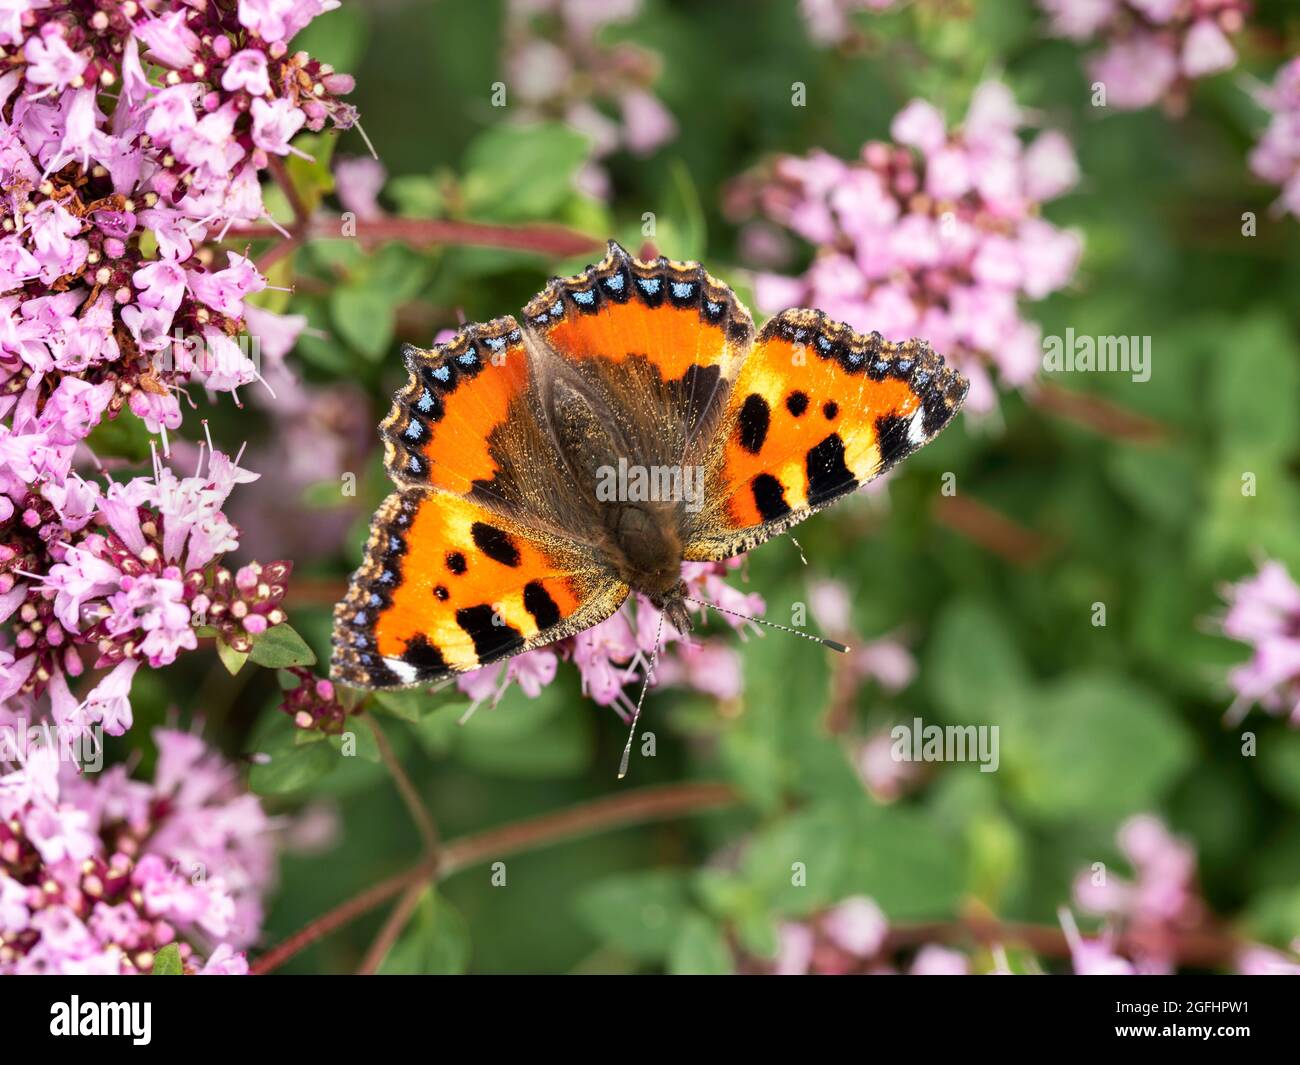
[(828, 475), (830, 409), (796, 403), (755, 417), (492, 636), (424, 656), (456, 562), (769, 497), (538, 602), (495, 543)]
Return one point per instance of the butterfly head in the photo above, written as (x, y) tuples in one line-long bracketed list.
[(673, 605)]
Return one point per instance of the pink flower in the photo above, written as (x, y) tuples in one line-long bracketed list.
[(933, 960), (794, 950), (50, 62), (246, 70), (1276, 158), (920, 125), (357, 183), (225, 290), (1263, 611), (1051, 169), (274, 123), (1152, 48), (647, 123), (109, 702), (952, 265), (1206, 50), (856, 925), (169, 40)]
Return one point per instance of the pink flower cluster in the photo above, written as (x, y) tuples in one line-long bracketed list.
[(613, 657), (99, 873), (127, 132), (1153, 48), (125, 574), (1154, 910), (1264, 611), (559, 69), (937, 235), (1159, 903), (1276, 158), (313, 703)]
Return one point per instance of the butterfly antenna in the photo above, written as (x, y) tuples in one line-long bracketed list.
[(636, 716), (834, 645)]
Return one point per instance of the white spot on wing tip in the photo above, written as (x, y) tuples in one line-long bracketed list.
[(406, 672), (916, 428)]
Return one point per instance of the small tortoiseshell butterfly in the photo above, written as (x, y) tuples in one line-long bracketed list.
[(502, 535)]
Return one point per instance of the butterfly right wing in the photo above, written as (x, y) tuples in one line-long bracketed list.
[(448, 586), (817, 411)]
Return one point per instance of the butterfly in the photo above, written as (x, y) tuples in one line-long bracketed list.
[(632, 419)]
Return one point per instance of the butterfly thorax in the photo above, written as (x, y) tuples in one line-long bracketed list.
[(640, 536)]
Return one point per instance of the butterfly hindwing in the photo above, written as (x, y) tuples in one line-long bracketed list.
[(448, 586), (816, 411)]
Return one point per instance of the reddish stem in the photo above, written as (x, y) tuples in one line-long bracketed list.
[(629, 808), (555, 241)]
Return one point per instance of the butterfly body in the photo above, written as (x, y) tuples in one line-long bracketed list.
[(631, 421)]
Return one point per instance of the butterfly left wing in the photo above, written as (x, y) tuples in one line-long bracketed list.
[(449, 585), (817, 410)]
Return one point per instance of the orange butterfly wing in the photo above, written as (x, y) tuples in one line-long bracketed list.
[(448, 586), (657, 341), (816, 411)]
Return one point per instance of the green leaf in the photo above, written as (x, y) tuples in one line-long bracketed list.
[(436, 942), (973, 667), (640, 913), (312, 178), (167, 962), (337, 37), (522, 173), (364, 316), (230, 658), (531, 739), (291, 766), (1096, 747), (416, 195), (1256, 392), (281, 646), (913, 866), (415, 704), (124, 437), (700, 949)]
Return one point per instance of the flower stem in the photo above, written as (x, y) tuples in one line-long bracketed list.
[(410, 795), (553, 240), (641, 806)]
